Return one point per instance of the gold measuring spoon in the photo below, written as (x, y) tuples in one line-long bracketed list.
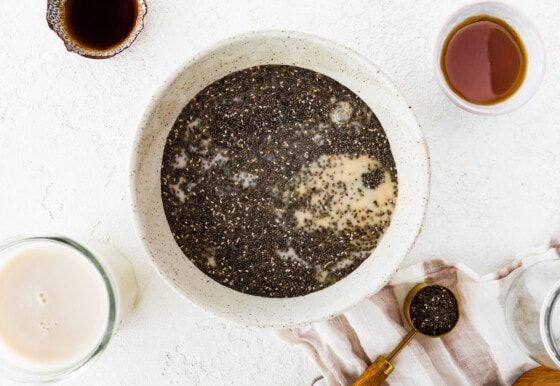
[(422, 309)]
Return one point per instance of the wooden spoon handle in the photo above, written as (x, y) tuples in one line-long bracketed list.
[(375, 374)]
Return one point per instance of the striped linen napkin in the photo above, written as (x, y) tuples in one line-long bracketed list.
[(479, 351)]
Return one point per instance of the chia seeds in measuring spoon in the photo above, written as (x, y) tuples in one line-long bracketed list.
[(277, 181), (434, 310)]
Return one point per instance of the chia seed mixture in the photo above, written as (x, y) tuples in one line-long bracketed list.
[(434, 310), (277, 181)]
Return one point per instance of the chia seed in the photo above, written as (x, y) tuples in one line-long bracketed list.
[(434, 310), (245, 158)]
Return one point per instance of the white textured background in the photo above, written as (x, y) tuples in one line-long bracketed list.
[(67, 126)]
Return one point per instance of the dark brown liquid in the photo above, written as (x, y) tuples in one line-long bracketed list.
[(100, 24), (484, 60)]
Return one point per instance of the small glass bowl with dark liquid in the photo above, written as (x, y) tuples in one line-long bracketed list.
[(96, 29), (489, 58)]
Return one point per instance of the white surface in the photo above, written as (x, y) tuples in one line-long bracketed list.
[(66, 129)]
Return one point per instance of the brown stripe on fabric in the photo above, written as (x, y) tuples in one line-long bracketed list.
[(465, 345), (310, 338), (344, 331), (505, 277), (387, 301), (437, 269), (555, 243)]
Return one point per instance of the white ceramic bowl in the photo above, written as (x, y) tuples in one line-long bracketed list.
[(349, 69)]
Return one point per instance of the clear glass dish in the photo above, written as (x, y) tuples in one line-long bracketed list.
[(532, 312)]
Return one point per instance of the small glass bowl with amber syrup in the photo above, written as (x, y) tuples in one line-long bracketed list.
[(96, 29), (489, 58)]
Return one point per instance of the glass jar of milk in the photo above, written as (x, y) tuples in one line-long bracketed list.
[(60, 304)]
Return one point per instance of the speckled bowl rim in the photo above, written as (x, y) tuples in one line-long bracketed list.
[(257, 311)]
